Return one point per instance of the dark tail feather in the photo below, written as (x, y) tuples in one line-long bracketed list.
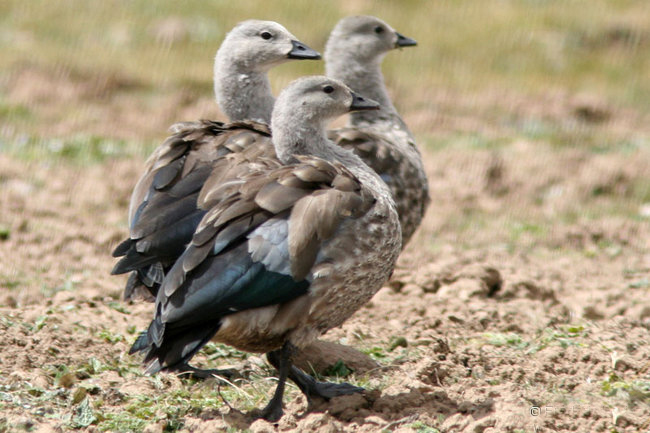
[(132, 261), (154, 276), (177, 347), (152, 337), (139, 287), (133, 286), (141, 343), (122, 248)]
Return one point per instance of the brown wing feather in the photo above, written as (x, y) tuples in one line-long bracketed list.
[(315, 195), (178, 168), (276, 197), (230, 172), (315, 218), (196, 143)]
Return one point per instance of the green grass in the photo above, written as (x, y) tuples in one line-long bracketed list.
[(78, 150), (9, 112), (109, 336), (509, 339), (421, 427), (76, 394), (339, 369), (563, 336), (634, 390), (217, 351), (78, 402)]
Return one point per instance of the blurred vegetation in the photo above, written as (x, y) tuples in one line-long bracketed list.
[(598, 46), (467, 48), (83, 82)]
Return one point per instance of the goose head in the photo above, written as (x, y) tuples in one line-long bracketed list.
[(318, 99), (365, 38), (258, 46)]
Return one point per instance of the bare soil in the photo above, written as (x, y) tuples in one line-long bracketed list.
[(521, 305)]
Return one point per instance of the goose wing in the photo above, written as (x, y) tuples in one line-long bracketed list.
[(163, 213), (255, 247)]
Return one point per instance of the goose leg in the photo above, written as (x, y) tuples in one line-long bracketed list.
[(186, 370), (325, 390), (312, 387), (280, 359)]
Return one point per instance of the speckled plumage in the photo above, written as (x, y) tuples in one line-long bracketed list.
[(353, 54), (289, 247), (394, 156)]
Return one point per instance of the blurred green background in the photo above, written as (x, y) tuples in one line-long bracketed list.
[(90, 78)]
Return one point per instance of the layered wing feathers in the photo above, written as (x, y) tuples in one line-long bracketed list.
[(255, 246), (163, 214)]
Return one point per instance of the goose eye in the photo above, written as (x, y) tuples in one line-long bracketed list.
[(379, 29), (266, 35), (328, 89)]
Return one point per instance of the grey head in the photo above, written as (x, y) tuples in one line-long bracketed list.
[(354, 52), (247, 53), (255, 45), (365, 38), (303, 110)]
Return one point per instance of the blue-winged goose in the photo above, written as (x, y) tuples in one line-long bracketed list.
[(353, 54), (163, 213), (287, 250)]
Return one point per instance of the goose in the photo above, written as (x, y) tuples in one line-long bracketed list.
[(288, 248), (162, 215), (353, 54)]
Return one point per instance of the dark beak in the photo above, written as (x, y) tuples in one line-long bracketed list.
[(302, 51), (403, 41), (360, 103)]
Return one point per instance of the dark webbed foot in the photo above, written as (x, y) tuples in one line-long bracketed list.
[(186, 370), (273, 410), (325, 390), (311, 387)]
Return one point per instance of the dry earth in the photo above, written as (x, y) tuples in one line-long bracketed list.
[(522, 304)]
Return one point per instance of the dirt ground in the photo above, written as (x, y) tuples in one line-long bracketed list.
[(521, 305)]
